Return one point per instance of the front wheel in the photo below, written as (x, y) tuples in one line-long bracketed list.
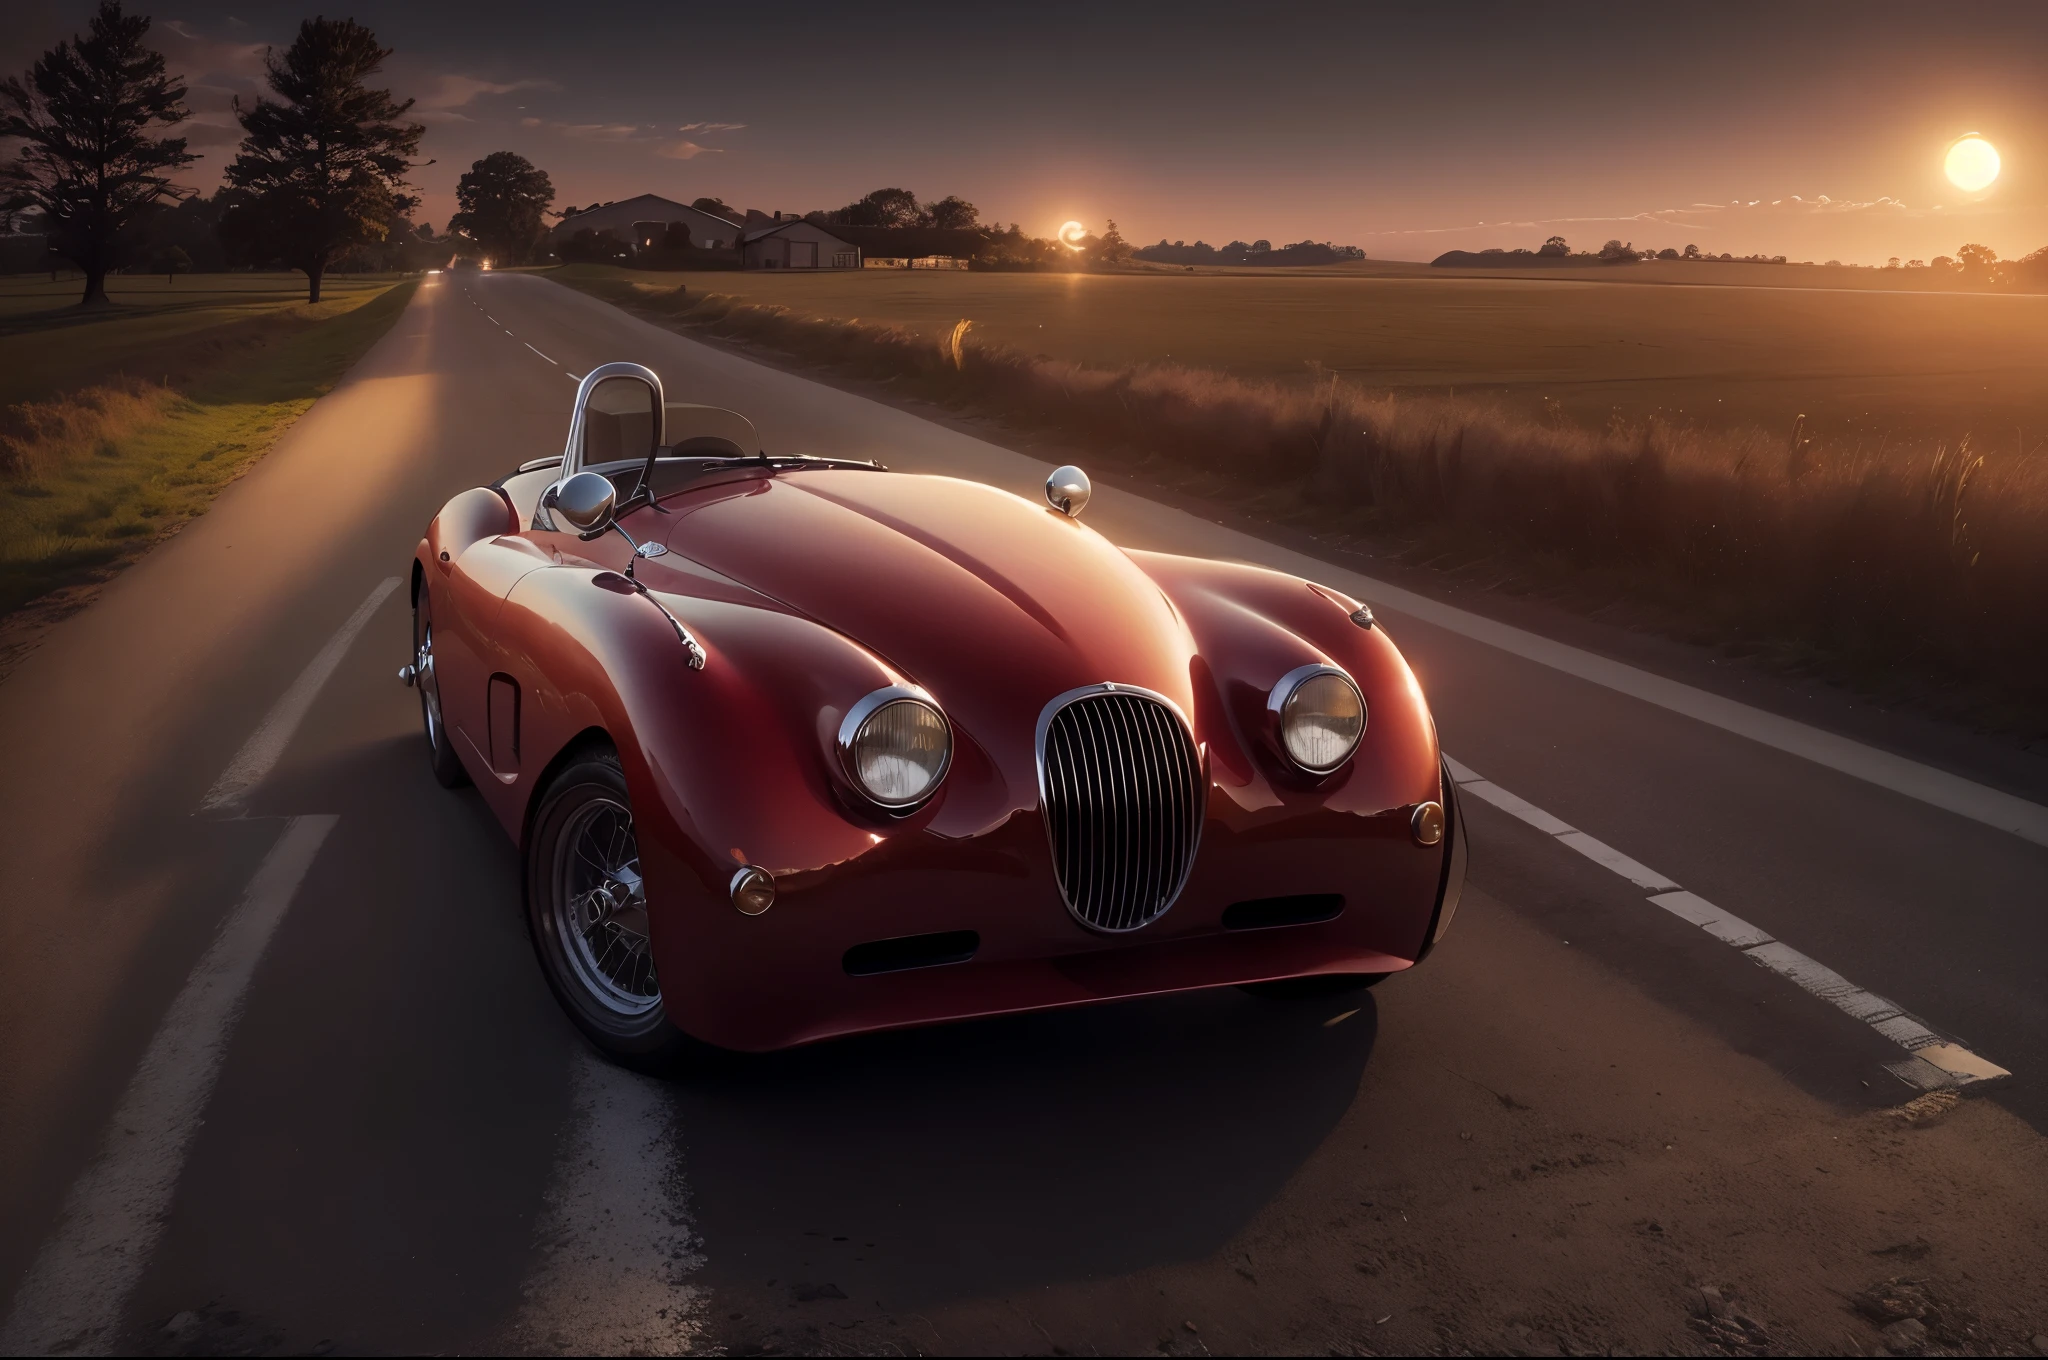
[(441, 755), (586, 908)]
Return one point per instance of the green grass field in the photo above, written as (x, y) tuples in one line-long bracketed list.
[(49, 345), (1713, 345), (119, 424)]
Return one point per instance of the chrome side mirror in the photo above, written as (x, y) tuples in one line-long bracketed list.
[(1067, 491), (583, 501)]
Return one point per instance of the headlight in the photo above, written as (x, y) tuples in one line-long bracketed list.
[(895, 745), (1321, 716)]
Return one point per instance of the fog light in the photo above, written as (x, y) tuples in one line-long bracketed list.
[(753, 890), (1427, 825)]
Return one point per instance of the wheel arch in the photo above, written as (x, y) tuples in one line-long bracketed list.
[(591, 739)]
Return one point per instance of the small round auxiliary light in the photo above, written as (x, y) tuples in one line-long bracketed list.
[(1068, 490), (753, 890), (1427, 825)]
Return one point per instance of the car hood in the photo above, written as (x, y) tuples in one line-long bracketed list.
[(979, 596)]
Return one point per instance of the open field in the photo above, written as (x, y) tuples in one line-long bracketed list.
[(118, 425), (1910, 558), (1579, 345), (49, 345)]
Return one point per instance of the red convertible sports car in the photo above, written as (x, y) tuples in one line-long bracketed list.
[(797, 747)]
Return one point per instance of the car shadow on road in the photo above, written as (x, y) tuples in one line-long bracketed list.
[(983, 1158)]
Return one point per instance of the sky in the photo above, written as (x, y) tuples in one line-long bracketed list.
[(1808, 130)]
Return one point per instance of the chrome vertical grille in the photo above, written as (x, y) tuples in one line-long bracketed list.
[(1122, 789)]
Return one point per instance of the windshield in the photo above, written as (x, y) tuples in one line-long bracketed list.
[(709, 431)]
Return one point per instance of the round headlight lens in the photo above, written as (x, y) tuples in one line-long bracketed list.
[(900, 749), (1321, 719)]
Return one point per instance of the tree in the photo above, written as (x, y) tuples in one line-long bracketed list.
[(322, 171), (1977, 262), (1667, 254), (171, 262), (1691, 253), (1112, 249), (2030, 271), (1555, 246), (1258, 247), (500, 205), (1614, 252), (882, 208), (82, 114), (952, 213)]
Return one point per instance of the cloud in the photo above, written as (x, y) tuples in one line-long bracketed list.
[(604, 132), (208, 130), (453, 93), (675, 149)]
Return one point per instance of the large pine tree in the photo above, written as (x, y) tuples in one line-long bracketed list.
[(83, 114), (322, 169)]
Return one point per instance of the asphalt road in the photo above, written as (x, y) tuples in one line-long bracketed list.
[(281, 1074)]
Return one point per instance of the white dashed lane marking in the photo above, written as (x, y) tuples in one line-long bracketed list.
[(77, 1291), (538, 352), (268, 741), (1932, 1062)]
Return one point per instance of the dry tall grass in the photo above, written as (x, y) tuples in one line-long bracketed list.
[(39, 437), (1911, 557)]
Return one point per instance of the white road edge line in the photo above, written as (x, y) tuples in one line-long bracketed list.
[(614, 1231), (76, 1293), (537, 352), (1924, 783), (261, 751), (1933, 1062)]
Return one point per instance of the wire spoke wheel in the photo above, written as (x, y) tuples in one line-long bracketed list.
[(600, 908)]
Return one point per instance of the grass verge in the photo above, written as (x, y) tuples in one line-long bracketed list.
[(90, 477), (1921, 566)]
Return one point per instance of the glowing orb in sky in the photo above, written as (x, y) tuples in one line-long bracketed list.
[(1972, 164), (1073, 234)]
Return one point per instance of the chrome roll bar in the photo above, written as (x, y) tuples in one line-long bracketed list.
[(572, 452)]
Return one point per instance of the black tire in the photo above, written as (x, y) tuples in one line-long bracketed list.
[(447, 766), (586, 912), (1315, 987)]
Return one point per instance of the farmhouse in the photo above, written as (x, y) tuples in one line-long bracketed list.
[(794, 243), (641, 221)]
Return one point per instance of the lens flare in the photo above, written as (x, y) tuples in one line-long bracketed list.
[(1972, 163), (1073, 235)]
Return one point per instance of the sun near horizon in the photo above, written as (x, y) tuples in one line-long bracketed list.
[(1972, 163)]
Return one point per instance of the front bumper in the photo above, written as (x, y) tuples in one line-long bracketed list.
[(782, 979)]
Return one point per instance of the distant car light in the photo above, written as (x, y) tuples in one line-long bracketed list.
[(1321, 717), (896, 745)]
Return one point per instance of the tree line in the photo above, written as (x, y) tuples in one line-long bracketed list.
[(1972, 263), (320, 173)]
